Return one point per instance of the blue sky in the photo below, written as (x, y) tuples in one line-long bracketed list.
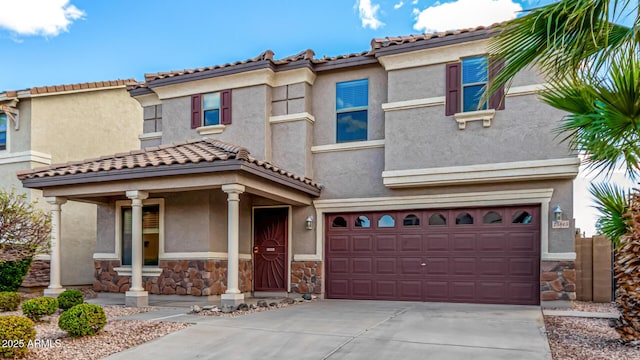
[(51, 42)]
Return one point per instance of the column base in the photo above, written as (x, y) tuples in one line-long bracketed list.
[(53, 292), (136, 299), (232, 299)]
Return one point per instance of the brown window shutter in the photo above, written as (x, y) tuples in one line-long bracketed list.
[(452, 95), (225, 107), (196, 110), (497, 99)]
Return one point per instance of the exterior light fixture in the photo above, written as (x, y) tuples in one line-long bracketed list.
[(308, 223), (557, 213)]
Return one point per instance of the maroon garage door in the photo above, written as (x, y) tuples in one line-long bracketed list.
[(477, 255)]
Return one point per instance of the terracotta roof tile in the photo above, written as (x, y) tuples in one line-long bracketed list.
[(399, 40), (193, 151), (80, 86)]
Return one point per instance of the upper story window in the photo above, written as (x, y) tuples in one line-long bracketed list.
[(211, 109), (152, 119), (3, 131), (466, 80), (352, 101)]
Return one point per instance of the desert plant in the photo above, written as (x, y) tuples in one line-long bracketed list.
[(16, 333), (83, 319), (12, 272), (9, 301), (70, 298), (35, 308)]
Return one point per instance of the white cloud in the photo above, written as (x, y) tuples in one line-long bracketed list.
[(415, 2), (462, 14), (398, 5), (415, 12), (38, 17), (368, 14)]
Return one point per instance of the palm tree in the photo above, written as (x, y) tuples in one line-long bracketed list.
[(592, 61)]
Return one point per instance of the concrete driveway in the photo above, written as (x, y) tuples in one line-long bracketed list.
[(336, 329)]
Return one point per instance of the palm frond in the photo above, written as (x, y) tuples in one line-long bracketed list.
[(612, 202)]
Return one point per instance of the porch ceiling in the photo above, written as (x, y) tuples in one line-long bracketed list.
[(192, 165)]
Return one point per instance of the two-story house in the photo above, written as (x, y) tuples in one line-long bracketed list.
[(44, 125), (375, 175)]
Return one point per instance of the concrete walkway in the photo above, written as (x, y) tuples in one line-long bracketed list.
[(335, 329)]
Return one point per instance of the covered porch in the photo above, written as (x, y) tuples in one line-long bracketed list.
[(180, 213)]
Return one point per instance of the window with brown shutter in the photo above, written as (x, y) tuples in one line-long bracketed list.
[(225, 107), (465, 85), (452, 100), (196, 110), (211, 109)]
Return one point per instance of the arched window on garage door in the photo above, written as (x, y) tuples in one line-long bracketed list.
[(437, 220)]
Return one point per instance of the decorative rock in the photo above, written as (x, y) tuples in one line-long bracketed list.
[(299, 300), (252, 306), (243, 307), (307, 296), (210, 308), (196, 309), (273, 304), (226, 308), (262, 303), (287, 300)]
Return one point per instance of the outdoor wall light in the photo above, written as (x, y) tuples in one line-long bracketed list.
[(557, 213), (308, 223)]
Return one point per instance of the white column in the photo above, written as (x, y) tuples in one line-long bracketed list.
[(55, 288), (233, 296), (136, 296)]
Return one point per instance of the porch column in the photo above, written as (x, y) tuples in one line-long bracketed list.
[(233, 296), (136, 296), (55, 288)]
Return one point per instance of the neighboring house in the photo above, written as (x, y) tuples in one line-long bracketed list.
[(365, 176), (54, 124)]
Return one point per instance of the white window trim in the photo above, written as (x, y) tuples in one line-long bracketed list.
[(346, 146), (125, 270), (151, 136), (486, 116), (463, 85), (210, 129), (351, 109), (7, 144)]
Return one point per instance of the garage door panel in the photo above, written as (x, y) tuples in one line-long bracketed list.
[(386, 266), (411, 243), (485, 257), (436, 242), (362, 243), (463, 266), (494, 241), (339, 265), (437, 266), (385, 243), (493, 266), (339, 243), (362, 265), (464, 242)]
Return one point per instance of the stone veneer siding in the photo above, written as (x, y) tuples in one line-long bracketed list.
[(178, 277), (306, 277), (38, 274), (557, 280)]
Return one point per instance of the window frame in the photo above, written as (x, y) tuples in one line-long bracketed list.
[(464, 85), (157, 119), (5, 146), (353, 109), (203, 110), (147, 270)]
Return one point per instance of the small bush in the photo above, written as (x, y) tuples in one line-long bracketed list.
[(12, 273), (83, 319), (9, 301), (35, 308), (70, 298), (16, 332)]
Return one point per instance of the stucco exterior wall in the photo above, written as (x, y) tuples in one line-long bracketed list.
[(250, 109), (324, 102)]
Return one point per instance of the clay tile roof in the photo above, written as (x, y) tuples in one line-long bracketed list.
[(192, 151), (81, 86), (400, 40)]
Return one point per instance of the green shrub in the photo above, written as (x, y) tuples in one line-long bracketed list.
[(16, 332), (70, 298), (40, 306), (9, 301), (83, 319), (12, 273)]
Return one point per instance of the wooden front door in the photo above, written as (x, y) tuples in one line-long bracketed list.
[(270, 249)]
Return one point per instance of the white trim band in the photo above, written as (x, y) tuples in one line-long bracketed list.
[(211, 129), (568, 256), (25, 156), (150, 136), (356, 145), (203, 255), (152, 271), (565, 168), (292, 117)]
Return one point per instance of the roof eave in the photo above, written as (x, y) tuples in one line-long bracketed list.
[(435, 42)]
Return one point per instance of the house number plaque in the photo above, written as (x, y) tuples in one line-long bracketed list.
[(271, 249)]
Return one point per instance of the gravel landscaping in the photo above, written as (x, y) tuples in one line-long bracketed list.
[(117, 335), (586, 338)]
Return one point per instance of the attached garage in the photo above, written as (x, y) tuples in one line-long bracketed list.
[(469, 255)]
